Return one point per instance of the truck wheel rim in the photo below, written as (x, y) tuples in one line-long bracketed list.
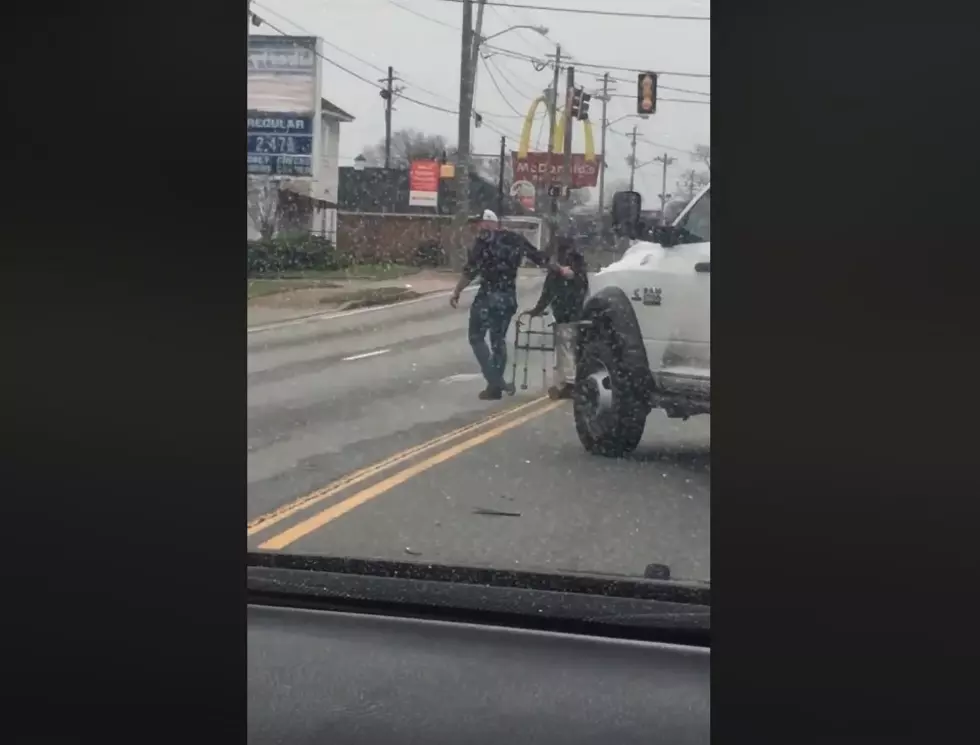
[(597, 396)]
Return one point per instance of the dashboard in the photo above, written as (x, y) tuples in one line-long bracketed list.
[(327, 676)]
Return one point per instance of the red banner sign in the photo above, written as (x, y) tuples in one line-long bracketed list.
[(423, 183), (534, 168)]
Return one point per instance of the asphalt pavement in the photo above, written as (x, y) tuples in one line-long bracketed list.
[(366, 438)]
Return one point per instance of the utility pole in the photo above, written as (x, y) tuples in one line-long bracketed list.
[(602, 139), (552, 109), (389, 96), (566, 174), (463, 135), (477, 41), (666, 160), (633, 159), (500, 181), (552, 121)]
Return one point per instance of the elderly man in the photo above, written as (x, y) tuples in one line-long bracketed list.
[(566, 295), (496, 256)]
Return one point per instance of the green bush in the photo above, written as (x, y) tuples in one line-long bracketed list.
[(429, 253), (293, 253)]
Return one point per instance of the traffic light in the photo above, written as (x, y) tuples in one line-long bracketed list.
[(580, 104), (646, 93), (583, 105)]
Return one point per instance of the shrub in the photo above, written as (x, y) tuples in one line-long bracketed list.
[(293, 253), (429, 254)]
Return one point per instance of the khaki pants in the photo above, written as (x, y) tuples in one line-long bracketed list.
[(565, 335)]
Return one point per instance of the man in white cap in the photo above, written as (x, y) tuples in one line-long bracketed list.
[(496, 256)]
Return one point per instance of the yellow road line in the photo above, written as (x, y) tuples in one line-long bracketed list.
[(307, 526), (271, 518)]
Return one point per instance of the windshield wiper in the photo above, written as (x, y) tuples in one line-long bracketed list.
[(651, 571), (655, 584), (621, 607)]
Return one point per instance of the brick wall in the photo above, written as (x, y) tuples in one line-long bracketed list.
[(376, 237)]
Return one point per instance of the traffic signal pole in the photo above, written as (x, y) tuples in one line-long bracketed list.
[(552, 121), (567, 144), (633, 159), (602, 141)]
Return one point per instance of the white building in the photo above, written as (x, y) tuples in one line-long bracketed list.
[(304, 204), (328, 169)]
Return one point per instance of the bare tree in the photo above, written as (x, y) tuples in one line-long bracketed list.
[(702, 154), (614, 186), (488, 168), (262, 205), (408, 145), (691, 182)]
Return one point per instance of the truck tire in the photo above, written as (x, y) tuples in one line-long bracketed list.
[(609, 415)]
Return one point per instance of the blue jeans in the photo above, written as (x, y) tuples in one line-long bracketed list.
[(491, 313)]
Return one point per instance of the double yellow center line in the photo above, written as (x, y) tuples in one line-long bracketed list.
[(532, 410)]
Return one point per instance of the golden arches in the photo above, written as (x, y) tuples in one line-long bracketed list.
[(560, 138), (525, 142)]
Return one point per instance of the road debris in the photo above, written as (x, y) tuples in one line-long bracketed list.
[(495, 513)]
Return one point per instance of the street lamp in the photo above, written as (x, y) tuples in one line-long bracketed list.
[(543, 30), (479, 41), (625, 116)]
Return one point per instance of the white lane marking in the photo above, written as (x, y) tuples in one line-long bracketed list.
[(329, 315), (461, 377), (362, 356)]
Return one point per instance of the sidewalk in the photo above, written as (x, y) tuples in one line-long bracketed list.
[(345, 294)]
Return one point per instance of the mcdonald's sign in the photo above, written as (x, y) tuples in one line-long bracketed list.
[(538, 168)]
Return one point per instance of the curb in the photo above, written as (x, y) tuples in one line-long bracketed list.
[(326, 315), (369, 302)]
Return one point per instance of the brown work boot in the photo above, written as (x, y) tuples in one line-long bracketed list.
[(560, 392)]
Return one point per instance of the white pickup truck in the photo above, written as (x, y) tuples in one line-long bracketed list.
[(646, 338)]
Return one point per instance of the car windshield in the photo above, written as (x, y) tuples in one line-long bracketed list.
[(437, 370)]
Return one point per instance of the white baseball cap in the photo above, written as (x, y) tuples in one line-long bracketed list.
[(490, 216)]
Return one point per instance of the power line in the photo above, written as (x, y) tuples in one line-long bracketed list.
[(374, 84), (683, 90), (662, 87), (498, 130), (500, 72), (641, 138), (578, 63), (659, 99), (344, 51), (585, 11), (493, 80), (423, 15), (361, 77)]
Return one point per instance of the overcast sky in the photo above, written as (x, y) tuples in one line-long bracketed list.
[(421, 39)]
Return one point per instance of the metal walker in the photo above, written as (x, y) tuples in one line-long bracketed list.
[(529, 339)]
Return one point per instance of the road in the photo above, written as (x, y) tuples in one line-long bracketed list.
[(366, 438)]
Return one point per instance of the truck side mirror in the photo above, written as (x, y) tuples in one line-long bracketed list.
[(665, 235)]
